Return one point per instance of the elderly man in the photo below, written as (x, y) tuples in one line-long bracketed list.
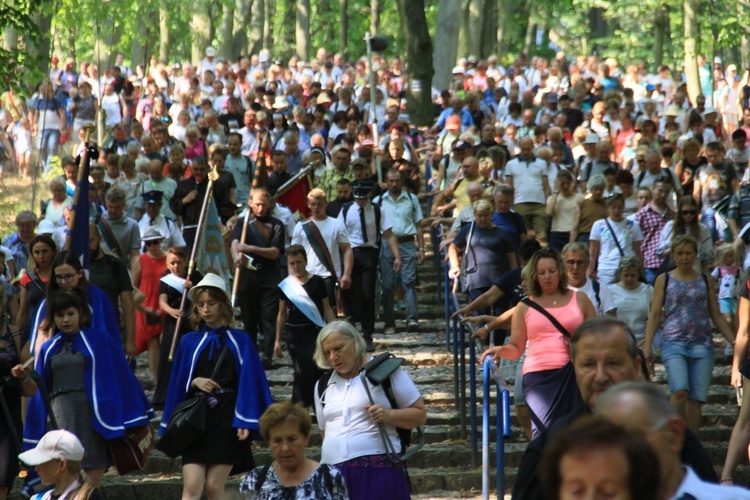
[(604, 352), (528, 175), (292, 151), (598, 165), (645, 409)]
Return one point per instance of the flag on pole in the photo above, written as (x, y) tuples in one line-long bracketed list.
[(210, 255), (79, 232)]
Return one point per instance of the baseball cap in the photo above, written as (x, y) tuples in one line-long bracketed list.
[(709, 110), (367, 143), (210, 51), (552, 97), (45, 227), (55, 445), (672, 110), (461, 145), (458, 70), (360, 163), (591, 139)]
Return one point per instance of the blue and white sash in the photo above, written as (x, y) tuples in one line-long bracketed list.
[(298, 295)]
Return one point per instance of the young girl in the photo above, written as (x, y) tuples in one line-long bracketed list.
[(563, 207), (727, 275), (22, 143)]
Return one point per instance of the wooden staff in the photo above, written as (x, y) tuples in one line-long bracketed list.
[(88, 130), (213, 176)]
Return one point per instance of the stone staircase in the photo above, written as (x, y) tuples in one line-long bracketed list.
[(443, 468)]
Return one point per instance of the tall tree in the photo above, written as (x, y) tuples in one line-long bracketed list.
[(476, 8), (375, 9), (343, 24), (419, 56), (268, 24), (691, 61), (446, 52), (226, 32), (242, 11), (661, 22), (256, 27), (488, 43), (200, 28), (302, 31), (163, 32)]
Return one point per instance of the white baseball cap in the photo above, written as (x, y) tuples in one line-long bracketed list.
[(591, 139), (54, 445)]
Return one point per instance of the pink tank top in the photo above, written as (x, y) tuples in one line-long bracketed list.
[(548, 347)]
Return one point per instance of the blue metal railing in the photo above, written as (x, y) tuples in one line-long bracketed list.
[(455, 339)]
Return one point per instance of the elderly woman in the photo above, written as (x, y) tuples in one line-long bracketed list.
[(546, 320), (628, 298), (234, 382), (488, 252), (286, 428), (687, 348), (52, 209), (349, 421), (18, 242)]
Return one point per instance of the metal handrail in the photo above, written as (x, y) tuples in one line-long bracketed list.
[(502, 421)]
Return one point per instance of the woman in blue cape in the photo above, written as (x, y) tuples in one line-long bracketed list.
[(238, 394), (93, 393), (67, 273)]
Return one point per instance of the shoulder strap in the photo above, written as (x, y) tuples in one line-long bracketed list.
[(37, 281), (345, 209), (705, 280), (323, 385), (260, 232), (614, 236), (543, 312), (262, 477), (319, 247), (640, 177), (597, 287), (377, 222)]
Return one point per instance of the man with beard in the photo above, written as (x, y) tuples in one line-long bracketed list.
[(343, 196), (110, 274)]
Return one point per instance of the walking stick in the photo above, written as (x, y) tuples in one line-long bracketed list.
[(213, 176), (260, 179), (82, 168)]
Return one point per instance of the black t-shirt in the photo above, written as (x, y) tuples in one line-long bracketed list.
[(573, 119), (316, 290), (511, 284), (274, 228), (231, 122), (111, 276), (275, 181)]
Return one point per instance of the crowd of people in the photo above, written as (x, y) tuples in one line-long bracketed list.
[(564, 193)]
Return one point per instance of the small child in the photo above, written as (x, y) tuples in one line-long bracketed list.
[(22, 143), (727, 274), (112, 169), (563, 208)]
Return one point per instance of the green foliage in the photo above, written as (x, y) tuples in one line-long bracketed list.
[(17, 65)]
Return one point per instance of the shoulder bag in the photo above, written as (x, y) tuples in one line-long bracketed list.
[(188, 420)]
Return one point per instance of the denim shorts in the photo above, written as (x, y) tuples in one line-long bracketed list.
[(728, 306), (689, 367)]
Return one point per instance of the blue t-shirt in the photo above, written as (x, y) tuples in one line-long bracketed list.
[(513, 223), (486, 255)]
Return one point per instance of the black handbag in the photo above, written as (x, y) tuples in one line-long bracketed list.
[(188, 421)]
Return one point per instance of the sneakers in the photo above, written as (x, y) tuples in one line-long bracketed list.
[(389, 330), (412, 325)]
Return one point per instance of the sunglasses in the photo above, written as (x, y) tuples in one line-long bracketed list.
[(150, 243)]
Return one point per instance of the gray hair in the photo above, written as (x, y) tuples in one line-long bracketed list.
[(604, 324), (115, 195), (505, 189), (653, 397), (630, 262), (597, 180), (290, 135), (347, 330), (57, 181), (133, 147), (576, 246), (26, 216)]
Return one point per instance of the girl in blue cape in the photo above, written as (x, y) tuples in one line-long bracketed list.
[(239, 393), (67, 273), (93, 393)]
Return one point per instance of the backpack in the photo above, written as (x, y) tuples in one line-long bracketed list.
[(642, 174), (324, 468), (404, 435), (345, 209)]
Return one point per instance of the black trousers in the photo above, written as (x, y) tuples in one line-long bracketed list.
[(331, 289), (259, 307), (301, 344), (359, 302)]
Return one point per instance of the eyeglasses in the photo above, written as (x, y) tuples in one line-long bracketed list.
[(150, 243), (65, 278), (579, 263)]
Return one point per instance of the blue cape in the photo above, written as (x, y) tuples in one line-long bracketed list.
[(117, 400), (103, 315), (253, 394)]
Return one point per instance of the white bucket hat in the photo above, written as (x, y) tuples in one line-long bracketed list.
[(210, 280)]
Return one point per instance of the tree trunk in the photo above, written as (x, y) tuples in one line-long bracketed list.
[(375, 8), (258, 17), (745, 51), (200, 27), (105, 41), (343, 24), (489, 29), (446, 51), (529, 38), (464, 32), (268, 24), (597, 24), (42, 50), (163, 33), (506, 8), (290, 10), (10, 39), (475, 27), (242, 11), (419, 57), (691, 62), (226, 32), (660, 27), (302, 31)]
